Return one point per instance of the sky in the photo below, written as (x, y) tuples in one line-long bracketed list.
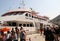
[(49, 8)]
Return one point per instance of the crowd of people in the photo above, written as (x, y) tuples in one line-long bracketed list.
[(52, 34), (13, 35)]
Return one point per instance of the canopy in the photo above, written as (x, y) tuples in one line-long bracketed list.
[(5, 29)]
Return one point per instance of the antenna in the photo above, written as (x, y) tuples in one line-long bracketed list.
[(22, 4)]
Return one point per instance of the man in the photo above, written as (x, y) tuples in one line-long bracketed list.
[(48, 35), (22, 35)]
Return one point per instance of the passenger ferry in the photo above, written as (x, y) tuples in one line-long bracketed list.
[(27, 18)]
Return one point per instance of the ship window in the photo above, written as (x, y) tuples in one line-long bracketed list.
[(29, 15), (31, 25), (32, 16), (27, 25), (15, 13), (26, 14), (24, 25), (9, 23), (10, 14), (20, 13), (14, 24), (20, 25)]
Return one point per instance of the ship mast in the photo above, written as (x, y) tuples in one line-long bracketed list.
[(22, 4)]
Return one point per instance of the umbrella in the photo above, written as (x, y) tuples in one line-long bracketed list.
[(5, 29)]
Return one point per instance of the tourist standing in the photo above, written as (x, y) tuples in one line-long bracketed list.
[(49, 35), (13, 34), (22, 35), (17, 32), (41, 30), (8, 36)]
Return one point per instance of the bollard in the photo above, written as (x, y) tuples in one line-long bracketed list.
[(29, 39)]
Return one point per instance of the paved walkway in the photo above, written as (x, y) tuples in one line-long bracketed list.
[(35, 37)]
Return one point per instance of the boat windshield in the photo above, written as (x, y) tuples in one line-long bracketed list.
[(15, 13)]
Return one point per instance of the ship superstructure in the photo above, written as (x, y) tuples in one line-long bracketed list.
[(27, 18)]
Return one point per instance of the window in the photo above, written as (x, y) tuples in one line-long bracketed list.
[(20, 25), (27, 25), (10, 14), (26, 14), (14, 24), (24, 25), (31, 25), (29, 15), (11, 23), (15, 13), (32, 16), (20, 13)]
